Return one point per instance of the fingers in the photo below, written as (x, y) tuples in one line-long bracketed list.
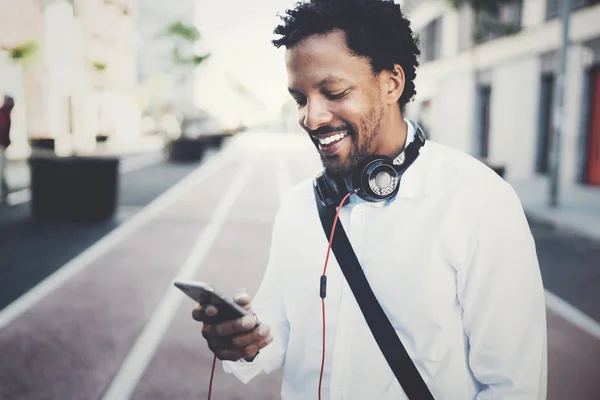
[(244, 300), (233, 340), (201, 314), (247, 352), (254, 336), (244, 345), (229, 328)]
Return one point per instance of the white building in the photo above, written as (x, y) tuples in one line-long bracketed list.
[(61, 93), (22, 22), (108, 96), (485, 84), (163, 82)]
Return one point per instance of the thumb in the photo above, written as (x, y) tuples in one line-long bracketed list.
[(243, 299)]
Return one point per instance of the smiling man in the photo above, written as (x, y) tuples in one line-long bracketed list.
[(442, 239)]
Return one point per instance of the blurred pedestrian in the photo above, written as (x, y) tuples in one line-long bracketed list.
[(6, 105), (442, 240)]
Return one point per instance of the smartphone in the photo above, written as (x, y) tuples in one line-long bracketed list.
[(206, 295)]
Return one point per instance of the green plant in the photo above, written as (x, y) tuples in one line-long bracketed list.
[(193, 59), (99, 66), (23, 52), (183, 31), (190, 36)]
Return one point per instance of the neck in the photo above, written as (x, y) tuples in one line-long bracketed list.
[(392, 134)]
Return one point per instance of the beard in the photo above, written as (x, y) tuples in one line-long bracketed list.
[(370, 125)]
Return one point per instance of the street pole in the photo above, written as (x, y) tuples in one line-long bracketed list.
[(559, 106)]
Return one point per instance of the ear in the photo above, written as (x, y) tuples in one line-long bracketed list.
[(394, 84)]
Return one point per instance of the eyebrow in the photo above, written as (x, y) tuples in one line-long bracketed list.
[(329, 81), (324, 82)]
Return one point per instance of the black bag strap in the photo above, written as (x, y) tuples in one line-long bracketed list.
[(383, 331)]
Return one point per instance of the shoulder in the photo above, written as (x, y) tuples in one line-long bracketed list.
[(457, 174)]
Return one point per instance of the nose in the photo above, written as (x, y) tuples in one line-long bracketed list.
[(314, 115)]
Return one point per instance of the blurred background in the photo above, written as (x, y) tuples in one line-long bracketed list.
[(153, 139)]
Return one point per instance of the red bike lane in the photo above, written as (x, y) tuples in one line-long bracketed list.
[(70, 344)]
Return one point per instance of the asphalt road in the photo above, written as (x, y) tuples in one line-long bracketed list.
[(110, 321), (31, 249), (570, 266)]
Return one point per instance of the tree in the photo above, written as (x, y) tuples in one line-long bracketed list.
[(186, 36)]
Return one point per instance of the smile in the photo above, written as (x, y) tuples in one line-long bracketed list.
[(333, 138), (330, 146)]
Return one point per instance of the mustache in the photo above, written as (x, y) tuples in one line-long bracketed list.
[(324, 130)]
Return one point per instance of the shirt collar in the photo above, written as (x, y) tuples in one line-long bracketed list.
[(410, 136)]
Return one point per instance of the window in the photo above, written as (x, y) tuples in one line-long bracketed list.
[(505, 21), (542, 163), (484, 97), (430, 39), (554, 7)]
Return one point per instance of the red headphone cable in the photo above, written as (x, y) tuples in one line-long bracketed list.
[(212, 371), (323, 293), (324, 287), (212, 375)]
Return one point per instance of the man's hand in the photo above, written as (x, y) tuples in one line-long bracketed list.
[(236, 339)]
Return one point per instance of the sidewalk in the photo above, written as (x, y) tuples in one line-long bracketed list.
[(17, 175), (578, 211)]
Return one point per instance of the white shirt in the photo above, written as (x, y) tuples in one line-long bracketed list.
[(453, 264), (410, 136)]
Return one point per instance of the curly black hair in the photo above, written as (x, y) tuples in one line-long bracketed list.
[(375, 29)]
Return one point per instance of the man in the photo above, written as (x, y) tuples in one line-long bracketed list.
[(6, 106), (450, 258)]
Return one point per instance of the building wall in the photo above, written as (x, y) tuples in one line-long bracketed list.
[(574, 108), (514, 65), (63, 70), (156, 71), (22, 21), (106, 102), (515, 91), (452, 111)]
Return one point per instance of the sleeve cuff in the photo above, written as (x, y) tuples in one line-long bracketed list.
[(242, 369)]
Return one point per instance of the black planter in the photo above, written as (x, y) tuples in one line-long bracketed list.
[(42, 143), (74, 188), (186, 150)]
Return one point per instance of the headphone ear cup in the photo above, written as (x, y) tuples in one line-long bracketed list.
[(331, 191), (376, 178)]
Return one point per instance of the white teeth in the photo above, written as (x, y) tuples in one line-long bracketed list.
[(333, 138)]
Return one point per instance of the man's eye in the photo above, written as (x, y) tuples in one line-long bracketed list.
[(301, 101), (336, 96)]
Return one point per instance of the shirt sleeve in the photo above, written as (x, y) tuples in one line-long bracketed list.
[(502, 297), (269, 308)]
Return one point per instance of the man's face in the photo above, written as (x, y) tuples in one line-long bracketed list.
[(339, 100)]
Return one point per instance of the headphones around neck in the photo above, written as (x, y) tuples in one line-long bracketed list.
[(377, 178)]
